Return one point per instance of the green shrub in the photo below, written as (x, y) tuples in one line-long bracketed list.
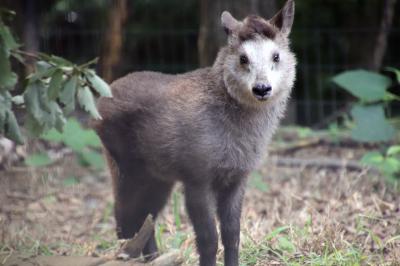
[(371, 124), (388, 163), (370, 121)]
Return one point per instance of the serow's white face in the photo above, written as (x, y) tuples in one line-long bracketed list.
[(258, 71), (259, 67)]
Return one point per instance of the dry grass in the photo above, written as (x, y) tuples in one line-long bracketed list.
[(291, 216), (325, 218)]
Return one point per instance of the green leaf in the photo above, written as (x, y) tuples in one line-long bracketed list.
[(77, 138), (46, 113), (371, 124), (390, 166), (5, 100), (8, 79), (32, 98), (390, 97), (12, 129), (43, 114), (393, 150), (41, 73), (8, 123), (34, 128), (7, 39), (395, 71), (99, 84), (276, 232), (91, 139), (92, 159), (59, 61), (38, 160), (373, 158), (286, 244), (86, 101), (42, 66), (72, 135), (53, 117), (53, 135), (60, 119), (55, 84), (365, 85), (67, 95)]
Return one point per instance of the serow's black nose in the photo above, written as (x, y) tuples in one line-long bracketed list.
[(261, 90)]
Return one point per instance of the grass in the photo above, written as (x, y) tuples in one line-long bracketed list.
[(317, 242), (286, 246), (290, 217), (290, 244)]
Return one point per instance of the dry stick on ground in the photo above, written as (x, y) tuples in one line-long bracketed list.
[(332, 163), (168, 259), (133, 247), (292, 147), (322, 140)]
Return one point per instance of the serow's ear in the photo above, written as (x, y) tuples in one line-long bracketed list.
[(283, 20), (228, 22)]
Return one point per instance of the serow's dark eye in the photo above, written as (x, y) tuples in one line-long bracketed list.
[(276, 57), (244, 60)]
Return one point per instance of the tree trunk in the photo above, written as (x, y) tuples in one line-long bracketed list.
[(112, 43), (211, 35), (30, 32), (384, 30)]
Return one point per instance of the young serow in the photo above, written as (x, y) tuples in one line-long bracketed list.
[(207, 129)]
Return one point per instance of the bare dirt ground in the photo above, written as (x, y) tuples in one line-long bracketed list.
[(296, 214)]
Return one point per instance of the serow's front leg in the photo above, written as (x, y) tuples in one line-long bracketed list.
[(200, 205), (229, 207)]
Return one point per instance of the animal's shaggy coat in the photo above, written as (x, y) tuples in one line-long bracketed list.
[(204, 128)]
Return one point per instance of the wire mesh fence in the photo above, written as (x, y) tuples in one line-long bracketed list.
[(321, 53)]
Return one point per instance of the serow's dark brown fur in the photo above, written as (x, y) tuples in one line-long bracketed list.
[(159, 129), (254, 26)]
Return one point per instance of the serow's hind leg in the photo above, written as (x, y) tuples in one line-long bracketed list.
[(135, 198)]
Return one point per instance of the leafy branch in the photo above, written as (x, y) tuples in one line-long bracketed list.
[(49, 94)]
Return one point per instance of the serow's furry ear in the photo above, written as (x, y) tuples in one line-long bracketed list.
[(228, 22), (283, 20)]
